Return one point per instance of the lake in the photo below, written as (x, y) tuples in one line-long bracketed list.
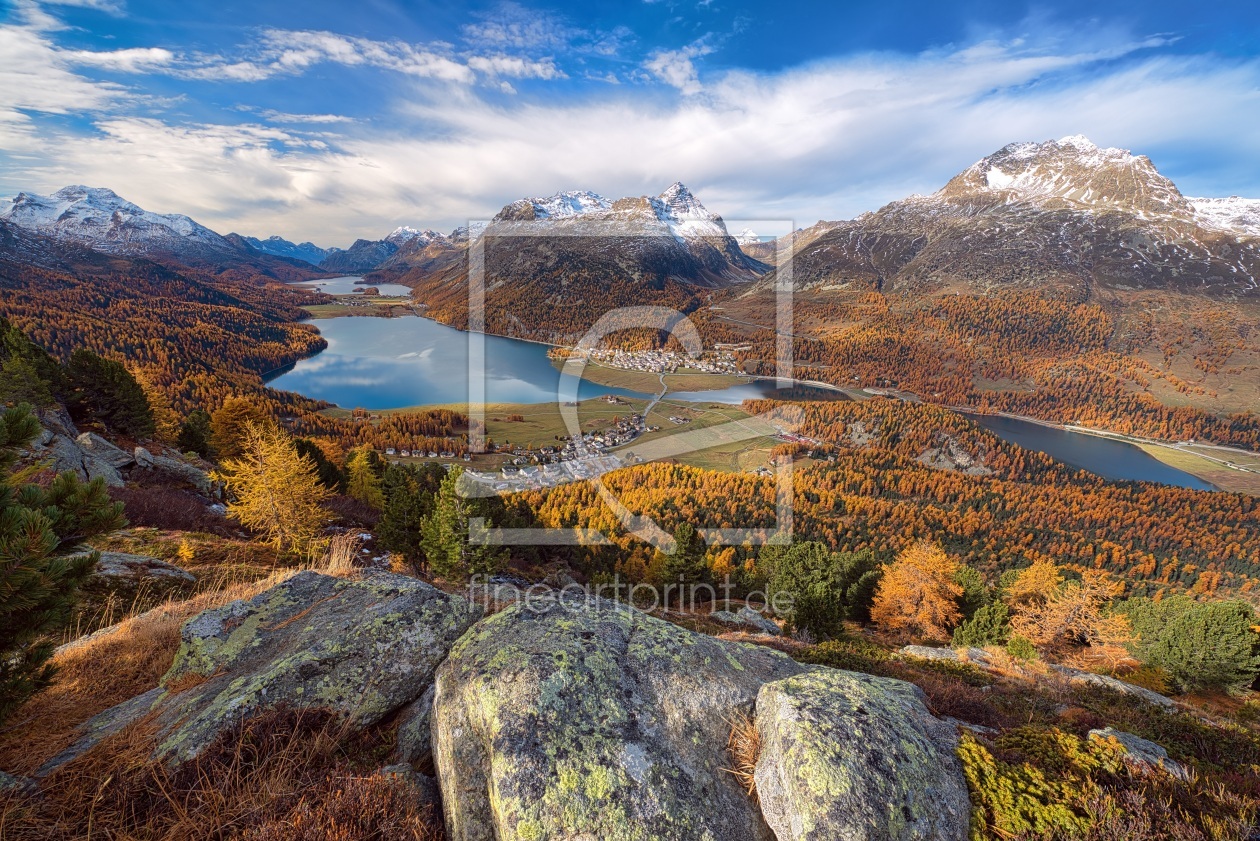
[(1106, 457), (350, 286), (393, 363)]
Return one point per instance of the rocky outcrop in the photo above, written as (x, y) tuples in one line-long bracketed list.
[(1143, 754), (360, 647), (127, 574), (581, 719), (748, 618), (90, 456), (977, 656), (851, 756), (1080, 678), (568, 719)]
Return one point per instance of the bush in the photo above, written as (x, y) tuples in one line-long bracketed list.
[(825, 587), (987, 626), (1021, 648), (849, 654), (1210, 646)]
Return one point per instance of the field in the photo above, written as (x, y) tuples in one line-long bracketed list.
[(649, 383), (374, 307), (1204, 461)]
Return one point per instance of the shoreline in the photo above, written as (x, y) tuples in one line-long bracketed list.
[(1146, 445)]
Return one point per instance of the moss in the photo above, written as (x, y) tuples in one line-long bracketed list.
[(1042, 787), (528, 830)]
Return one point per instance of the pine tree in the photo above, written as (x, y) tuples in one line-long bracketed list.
[(975, 593), (275, 492), (685, 566), (918, 593), (37, 586), (362, 483), (989, 626), (820, 583), (444, 537), (32, 359), (194, 433), (229, 422), (1212, 646), (410, 492), (104, 391)]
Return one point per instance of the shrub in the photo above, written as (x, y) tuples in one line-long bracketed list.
[(849, 654), (988, 626), (1208, 646), (1021, 648)]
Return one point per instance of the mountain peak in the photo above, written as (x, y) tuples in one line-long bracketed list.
[(101, 219), (1070, 172)]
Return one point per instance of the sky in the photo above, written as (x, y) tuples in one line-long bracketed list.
[(328, 121)]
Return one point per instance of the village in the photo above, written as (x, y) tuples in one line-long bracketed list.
[(665, 362)]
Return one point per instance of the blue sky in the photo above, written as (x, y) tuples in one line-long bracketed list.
[(329, 120)]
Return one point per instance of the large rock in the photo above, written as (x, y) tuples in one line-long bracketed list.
[(103, 451), (977, 656), (121, 570), (1080, 678), (585, 719), (360, 647), (851, 756), (176, 470), (1143, 754)]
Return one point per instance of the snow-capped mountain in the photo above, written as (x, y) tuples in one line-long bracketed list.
[(281, 247), (1062, 214), (1232, 214), (104, 221), (1071, 173), (405, 234), (678, 208)]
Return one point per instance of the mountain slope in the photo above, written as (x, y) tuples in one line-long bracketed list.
[(1061, 215)]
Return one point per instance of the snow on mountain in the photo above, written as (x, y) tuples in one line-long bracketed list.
[(405, 234), (101, 219), (747, 237), (1070, 173), (281, 247), (686, 217), (1234, 214), (569, 203)]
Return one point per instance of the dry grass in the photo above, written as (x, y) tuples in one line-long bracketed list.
[(107, 668), (284, 774), (744, 748), (342, 556)]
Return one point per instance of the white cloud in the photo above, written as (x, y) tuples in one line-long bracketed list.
[(675, 67), (515, 67), (828, 140), (134, 60)]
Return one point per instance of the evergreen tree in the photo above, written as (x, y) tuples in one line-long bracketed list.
[(685, 566), (444, 537), (988, 626), (104, 391), (330, 475), (194, 433), (38, 586), (275, 491), (229, 422), (825, 587), (20, 383), (1202, 645), (975, 593), (362, 483), (410, 491), (30, 358)]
